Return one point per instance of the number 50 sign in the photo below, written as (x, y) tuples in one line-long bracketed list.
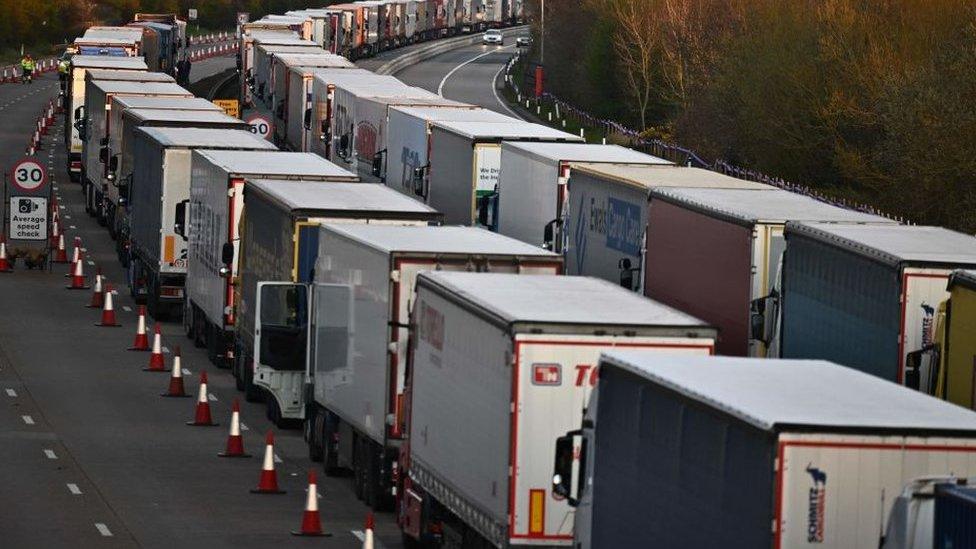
[(29, 175)]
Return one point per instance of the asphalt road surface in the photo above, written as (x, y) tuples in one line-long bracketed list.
[(92, 456)]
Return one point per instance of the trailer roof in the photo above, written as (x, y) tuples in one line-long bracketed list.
[(145, 88), (277, 40), (384, 88), (777, 395), (649, 176), (167, 102), (895, 244), (109, 62), (438, 240), (276, 164), (171, 115), (963, 277), (555, 299), (310, 48), (316, 60), (455, 112), (111, 35), (329, 75), (751, 206), (583, 152), (330, 197), (207, 138), (127, 75), (499, 131)]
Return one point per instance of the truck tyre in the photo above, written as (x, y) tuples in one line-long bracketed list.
[(274, 412), (212, 340), (358, 470), (330, 453), (313, 434), (251, 391), (152, 297), (373, 486), (199, 329)]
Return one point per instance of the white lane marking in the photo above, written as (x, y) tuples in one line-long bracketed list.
[(494, 91), (440, 88), (66, 216), (212, 397), (72, 227), (73, 488), (103, 530), (50, 454), (243, 427), (165, 349), (84, 250), (185, 371), (90, 262), (361, 536), (11, 393), (127, 309), (28, 420), (277, 459)]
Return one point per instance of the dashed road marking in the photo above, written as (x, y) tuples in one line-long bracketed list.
[(11, 393), (277, 459), (92, 263), (165, 349), (212, 397), (28, 420), (66, 216), (73, 488), (243, 427), (185, 371), (103, 530), (72, 227), (50, 454), (127, 309)]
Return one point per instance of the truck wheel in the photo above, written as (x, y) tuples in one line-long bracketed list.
[(274, 412), (237, 370), (199, 330), (251, 391), (358, 472), (152, 298), (330, 453), (373, 483), (313, 434), (212, 341)]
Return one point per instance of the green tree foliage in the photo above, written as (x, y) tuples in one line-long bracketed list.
[(870, 100)]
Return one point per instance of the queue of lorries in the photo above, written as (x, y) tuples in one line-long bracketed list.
[(440, 295)]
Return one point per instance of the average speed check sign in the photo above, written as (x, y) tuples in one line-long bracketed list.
[(29, 175), (260, 126)]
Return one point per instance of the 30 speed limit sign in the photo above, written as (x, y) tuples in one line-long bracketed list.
[(29, 175), (260, 126)]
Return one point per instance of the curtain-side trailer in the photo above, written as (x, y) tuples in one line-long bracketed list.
[(501, 366), (359, 367), (465, 160), (744, 453), (324, 82), (279, 248), (868, 296), (602, 218), (958, 346), (532, 184), (716, 253), (213, 249), (156, 211)]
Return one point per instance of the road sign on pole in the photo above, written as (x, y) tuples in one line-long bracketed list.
[(27, 195), (260, 125), (191, 14), (28, 217), (29, 176)]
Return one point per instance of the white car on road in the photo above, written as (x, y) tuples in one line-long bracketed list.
[(493, 37)]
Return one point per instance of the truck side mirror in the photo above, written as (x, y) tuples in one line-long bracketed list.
[(418, 182), (79, 112), (113, 164), (484, 204), (344, 145), (103, 154), (308, 119), (227, 253), (378, 164), (626, 273), (569, 467), (103, 141), (324, 126), (913, 367), (180, 226), (549, 235)]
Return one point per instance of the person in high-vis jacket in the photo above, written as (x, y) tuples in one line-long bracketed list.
[(64, 65), (27, 69)]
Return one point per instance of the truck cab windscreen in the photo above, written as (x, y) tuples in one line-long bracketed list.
[(284, 322)]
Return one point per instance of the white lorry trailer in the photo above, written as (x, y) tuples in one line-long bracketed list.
[(320, 117), (157, 197), (360, 118), (684, 451), (465, 160), (292, 94), (279, 248), (503, 365), (366, 275), (532, 185), (216, 202), (75, 99), (601, 230), (98, 103), (120, 139), (408, 140), (264, 55), (252, 34)]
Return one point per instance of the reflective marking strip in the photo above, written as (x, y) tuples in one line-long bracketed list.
[(28, 420), (103, 530), (50, 454), (169, 249), (73, 488)]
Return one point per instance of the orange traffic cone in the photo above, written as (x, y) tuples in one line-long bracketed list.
[(61, 256), (108, 311), (98, 295), (142, 340), (176, 389), (202, 417), (4, 262), (156, 363), (269, 478), (368, 531), (76, 255), (78, 278), (235, 442), (311, 521)]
